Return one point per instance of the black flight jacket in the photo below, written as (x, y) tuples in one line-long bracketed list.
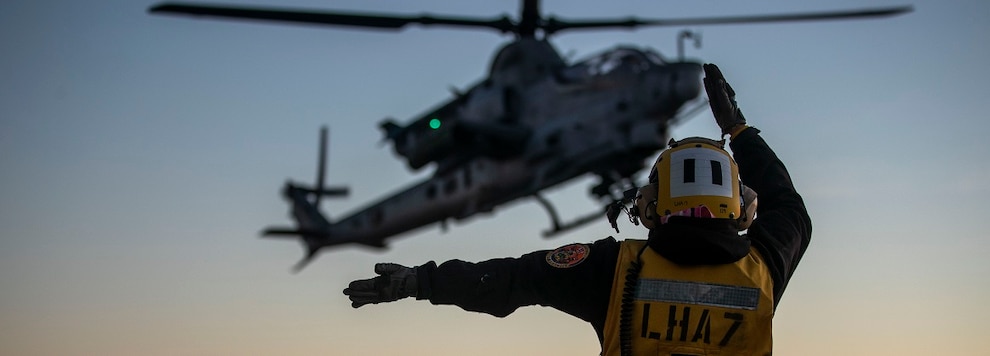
[(781, 233)]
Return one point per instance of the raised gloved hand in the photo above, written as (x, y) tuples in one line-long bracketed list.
[(393, 283), (722, 99)]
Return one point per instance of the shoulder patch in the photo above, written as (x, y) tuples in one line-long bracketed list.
[(568, 256)]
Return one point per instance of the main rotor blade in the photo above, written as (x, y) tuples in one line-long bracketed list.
[(555, 25), (503, 24)]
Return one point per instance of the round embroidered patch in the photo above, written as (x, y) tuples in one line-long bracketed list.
[(568, 256)]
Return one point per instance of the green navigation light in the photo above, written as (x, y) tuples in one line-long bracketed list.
[(434, 123)]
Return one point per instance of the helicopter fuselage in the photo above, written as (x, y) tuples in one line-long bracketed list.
[(606, 115), (532, 123)]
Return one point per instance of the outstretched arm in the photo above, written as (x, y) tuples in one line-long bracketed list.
[(575, 279)]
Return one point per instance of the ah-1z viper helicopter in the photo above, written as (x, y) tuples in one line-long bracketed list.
[(534, 122)]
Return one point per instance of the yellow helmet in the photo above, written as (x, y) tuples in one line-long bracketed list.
[(696, 177)]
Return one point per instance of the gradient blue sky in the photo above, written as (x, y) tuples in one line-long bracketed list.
[(141, 155)]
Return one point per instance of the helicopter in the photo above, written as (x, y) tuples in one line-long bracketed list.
[(533, 122)]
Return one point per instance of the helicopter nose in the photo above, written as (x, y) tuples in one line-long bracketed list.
[(686, 80)]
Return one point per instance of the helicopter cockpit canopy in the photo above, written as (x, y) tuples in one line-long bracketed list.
[(602, 64)]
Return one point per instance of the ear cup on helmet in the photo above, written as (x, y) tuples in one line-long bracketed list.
[(646, 205), (749, 199)]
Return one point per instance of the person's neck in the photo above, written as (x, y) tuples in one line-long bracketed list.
[(692, 241)]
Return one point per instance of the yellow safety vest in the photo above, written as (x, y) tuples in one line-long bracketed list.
[(691, 310)]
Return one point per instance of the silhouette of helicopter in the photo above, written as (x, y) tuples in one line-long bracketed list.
[(534, 122)]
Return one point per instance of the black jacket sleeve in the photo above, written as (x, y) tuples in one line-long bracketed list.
[(499, 286), (782, 229)]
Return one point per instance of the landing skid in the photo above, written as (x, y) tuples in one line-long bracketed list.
[(556, 227)]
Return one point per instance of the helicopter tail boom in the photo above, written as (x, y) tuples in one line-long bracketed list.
[(314, 240), (314, 229)]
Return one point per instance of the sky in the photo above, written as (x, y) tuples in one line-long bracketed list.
[(140, 157)]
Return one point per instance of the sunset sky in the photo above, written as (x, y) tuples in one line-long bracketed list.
[(141, 155)]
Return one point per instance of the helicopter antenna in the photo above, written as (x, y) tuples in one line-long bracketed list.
[(684, 35)]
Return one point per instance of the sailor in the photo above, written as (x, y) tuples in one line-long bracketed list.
[(705, 281)]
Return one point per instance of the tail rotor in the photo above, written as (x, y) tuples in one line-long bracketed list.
[(312, 227), (322, 164)]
